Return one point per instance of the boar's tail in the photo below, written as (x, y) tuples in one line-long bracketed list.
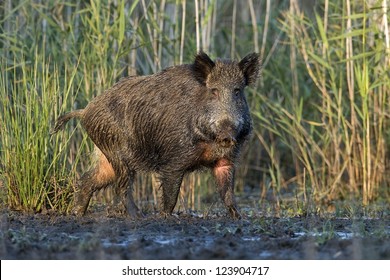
[(61, 121)]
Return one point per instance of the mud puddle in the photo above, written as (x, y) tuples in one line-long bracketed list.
[(191, 236)]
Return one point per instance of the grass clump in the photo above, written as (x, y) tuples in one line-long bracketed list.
[(34, 170)]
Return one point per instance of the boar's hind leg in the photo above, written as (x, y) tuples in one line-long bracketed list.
[(95, 179), (124, 193), (170, 186), (224, 177)]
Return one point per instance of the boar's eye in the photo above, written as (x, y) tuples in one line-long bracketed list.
[(237, 92)]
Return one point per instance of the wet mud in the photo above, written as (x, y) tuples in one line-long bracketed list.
[(191, 236)]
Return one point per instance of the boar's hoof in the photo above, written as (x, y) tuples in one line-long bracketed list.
[(116, 210), (234, 213), (167, 215), (119, 210), (79, 210), (136, 214), (133, 211)]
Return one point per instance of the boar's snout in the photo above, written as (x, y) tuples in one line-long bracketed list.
[(226, 135), (226, 140)]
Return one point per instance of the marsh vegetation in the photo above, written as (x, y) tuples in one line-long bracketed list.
[(321, 140)]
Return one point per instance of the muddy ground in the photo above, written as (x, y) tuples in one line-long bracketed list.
[(191, 236)]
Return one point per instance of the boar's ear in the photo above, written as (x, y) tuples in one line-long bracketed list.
[(250, 67), (202, 66)]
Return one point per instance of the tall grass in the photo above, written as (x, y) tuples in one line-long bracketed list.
[(33, 168), (321, 109), (338, 126)]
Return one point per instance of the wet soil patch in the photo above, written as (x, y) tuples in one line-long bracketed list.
[(191, 236)]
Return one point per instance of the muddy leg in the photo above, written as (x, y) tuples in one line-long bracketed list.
[(83, 193), (223, 172), (170, 186), (123, 199), (95, 179)]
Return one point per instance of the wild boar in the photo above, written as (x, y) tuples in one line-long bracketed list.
[(182, 119)]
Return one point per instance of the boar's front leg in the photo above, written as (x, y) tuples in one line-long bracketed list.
[(124, 193), (223, 172), (170, 185)]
